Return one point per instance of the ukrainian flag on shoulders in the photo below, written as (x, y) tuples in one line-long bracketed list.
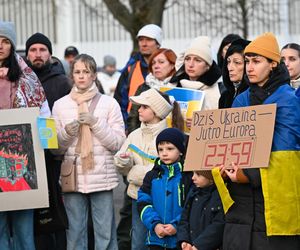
[(47, 132), (281, 180)]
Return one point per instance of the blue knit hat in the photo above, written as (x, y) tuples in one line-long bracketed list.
[(7, 29), (174, 136)]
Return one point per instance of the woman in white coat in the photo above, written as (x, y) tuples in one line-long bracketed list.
[(94, 137)]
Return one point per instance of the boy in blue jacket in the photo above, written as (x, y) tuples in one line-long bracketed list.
[(202, 220), (162, 194)]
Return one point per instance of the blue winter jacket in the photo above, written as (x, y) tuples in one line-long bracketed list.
[(160, 200)]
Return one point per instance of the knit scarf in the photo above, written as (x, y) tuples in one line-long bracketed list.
[(84, 146)]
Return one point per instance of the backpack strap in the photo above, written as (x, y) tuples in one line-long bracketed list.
[(94, 103)]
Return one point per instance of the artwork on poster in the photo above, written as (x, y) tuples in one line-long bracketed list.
[(17, 164), (23, 181)]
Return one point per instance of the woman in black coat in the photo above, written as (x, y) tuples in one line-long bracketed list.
[(234, 77)]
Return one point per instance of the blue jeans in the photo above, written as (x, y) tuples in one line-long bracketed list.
[(22, 230), (139, 231), (102, 208)]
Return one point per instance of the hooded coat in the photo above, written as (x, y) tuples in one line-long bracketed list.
[(231, 91)]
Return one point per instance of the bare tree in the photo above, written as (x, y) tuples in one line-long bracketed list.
[(137, 14), (237, 14)]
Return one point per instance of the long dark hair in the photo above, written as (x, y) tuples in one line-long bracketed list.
[(14, 70)]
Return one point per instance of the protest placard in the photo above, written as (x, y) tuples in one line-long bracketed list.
[(239, 135), (23, 180), (189, 100)]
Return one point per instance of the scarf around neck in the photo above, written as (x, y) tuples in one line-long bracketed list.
[(153, 82), (278, 77), (84, 146), (30, 92)]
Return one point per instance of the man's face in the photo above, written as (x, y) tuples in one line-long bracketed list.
[(147, 45), (70, 58), (38, 55)]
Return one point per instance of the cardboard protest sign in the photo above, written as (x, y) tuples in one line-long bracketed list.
[(240, 135), (23, 180), (190, 100)]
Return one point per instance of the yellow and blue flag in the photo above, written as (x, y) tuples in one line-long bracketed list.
[(189, 100), (281, 180), (47, 132)]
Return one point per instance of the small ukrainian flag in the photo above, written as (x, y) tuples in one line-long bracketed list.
[(47, 132)]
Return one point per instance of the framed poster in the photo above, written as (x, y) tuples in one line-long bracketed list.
[(240, 135), (23, 180)]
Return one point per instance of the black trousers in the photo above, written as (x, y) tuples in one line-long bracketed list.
[(125, 224)]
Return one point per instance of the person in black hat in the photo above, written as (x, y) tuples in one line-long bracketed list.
[(50, 71), (70, 53), (161, 197)]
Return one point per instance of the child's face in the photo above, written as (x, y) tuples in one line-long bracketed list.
[(201, 181), (168, 152), (147, 115)]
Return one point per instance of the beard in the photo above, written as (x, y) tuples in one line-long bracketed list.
[(38, 65)]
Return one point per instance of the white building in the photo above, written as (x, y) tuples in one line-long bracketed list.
[(90, 26)]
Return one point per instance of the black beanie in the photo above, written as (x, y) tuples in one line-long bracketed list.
[(174, 136), (38, 38)]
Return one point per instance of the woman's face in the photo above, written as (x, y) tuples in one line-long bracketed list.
[(195, 66), (291, 59), (235, 66), (161, 67), (5, 48), (258, 69), (82, 76)]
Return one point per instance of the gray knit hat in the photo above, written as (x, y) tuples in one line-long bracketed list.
[(7, 29), (109, 61)]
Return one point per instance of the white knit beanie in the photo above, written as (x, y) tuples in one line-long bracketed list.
[(200, 46), (7, 29), (155, 101), (152, 31)]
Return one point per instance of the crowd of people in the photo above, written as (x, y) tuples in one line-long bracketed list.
[(111, 123)]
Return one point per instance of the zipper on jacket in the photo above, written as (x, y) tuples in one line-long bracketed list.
[(166, 189)]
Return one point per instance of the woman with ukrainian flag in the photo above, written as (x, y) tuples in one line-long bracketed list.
[(265, 212), (137, 155)]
